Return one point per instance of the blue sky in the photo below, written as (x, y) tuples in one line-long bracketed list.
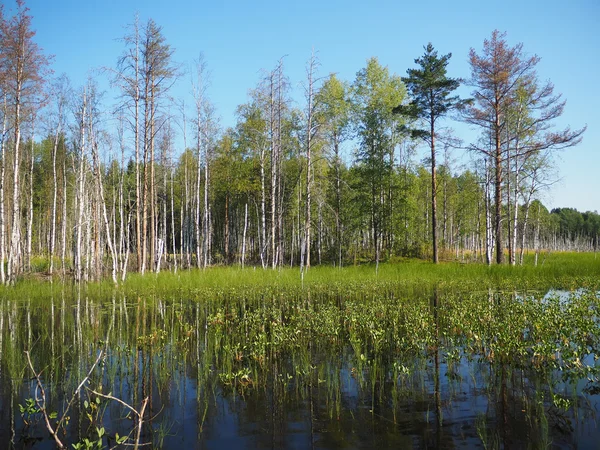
[(239, 38)]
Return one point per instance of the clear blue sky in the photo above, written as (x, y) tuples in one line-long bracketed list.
[(239, 38)]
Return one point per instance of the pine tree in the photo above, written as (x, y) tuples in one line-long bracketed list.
[(430, 90)]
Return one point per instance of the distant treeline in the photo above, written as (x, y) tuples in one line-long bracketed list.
[(572, 224)]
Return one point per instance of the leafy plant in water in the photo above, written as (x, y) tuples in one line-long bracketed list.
[(157, 338), (92, 409), (239, 378), (92, 444), (29, 411)]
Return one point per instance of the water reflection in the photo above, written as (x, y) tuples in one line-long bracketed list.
[(307, 371)]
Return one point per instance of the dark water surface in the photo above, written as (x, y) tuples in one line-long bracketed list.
[(375, 371)]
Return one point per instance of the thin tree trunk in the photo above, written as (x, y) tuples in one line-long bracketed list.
[(338, 200), (153, 223), (515, 221), (537, 236), (244, 235), (273, 173), (15, 241), (433, 193), (104, 214), (309, 143), (206, 217), (489, 237), (263, 210), (524, 231), (63, 224), (54, 194), (80, 199), (138, 199), (30, 203), (226, 238), (198, 223), (173, 243), (121, 249), (2, 184), (145, 214)]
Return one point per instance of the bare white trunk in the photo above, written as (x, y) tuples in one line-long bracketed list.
[(206, 219), (263, 210), (30, 203), (54, 196), (14, 256), (524, 232), (2, 183), (489, 235), (309, 142), (100, 188), (536, 243), (198, 178), (274, 161), (173, 243), (80, 196), (64, 220)]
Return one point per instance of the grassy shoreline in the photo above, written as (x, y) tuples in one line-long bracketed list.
[(565, 271)]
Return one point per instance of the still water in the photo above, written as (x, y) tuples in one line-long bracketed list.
[(253, 371)]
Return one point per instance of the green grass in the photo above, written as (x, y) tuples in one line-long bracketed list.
[(566, 271), (559, 271)]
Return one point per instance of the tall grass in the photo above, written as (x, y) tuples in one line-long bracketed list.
[(559, 271), (566, 271)]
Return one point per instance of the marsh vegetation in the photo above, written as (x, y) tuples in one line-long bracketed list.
[(414, 356)]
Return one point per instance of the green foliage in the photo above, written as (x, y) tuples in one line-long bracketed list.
[(430, 92), (93, 444), (29, 411), (572, 224)]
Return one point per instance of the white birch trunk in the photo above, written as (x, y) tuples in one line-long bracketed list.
[(263, 210), (64, 220), (206, 218), (30, 202), (2, 184), (14, 256), (80, 199), (111, 247), (54, 192), (173, 248)]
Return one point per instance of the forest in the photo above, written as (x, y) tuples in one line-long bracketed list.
[(93, 188)]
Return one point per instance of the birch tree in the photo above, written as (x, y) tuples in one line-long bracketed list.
[(199, 86), (60, 93), (333, 107), (128, 78), (25, 68), (310, 136)]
